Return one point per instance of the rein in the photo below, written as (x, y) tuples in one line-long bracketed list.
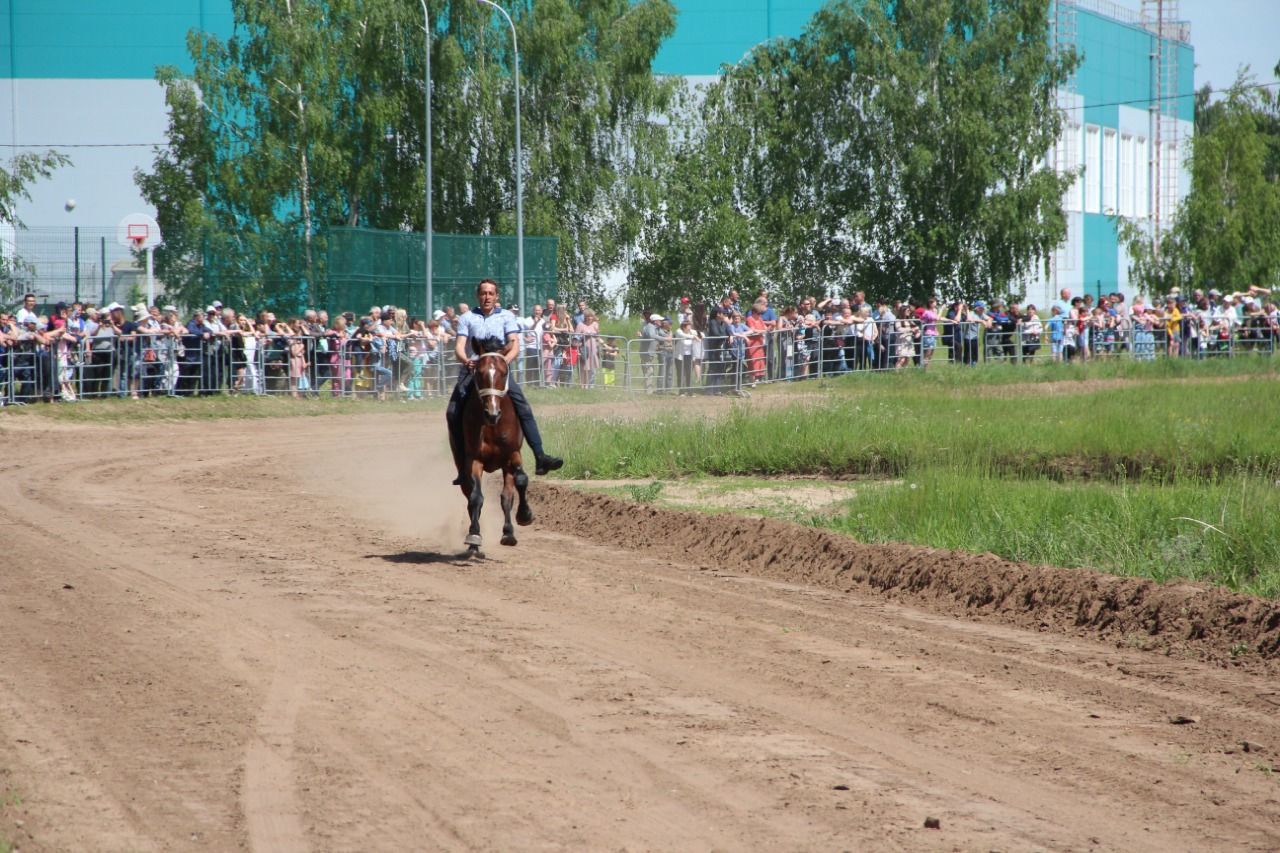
[(493, 392)]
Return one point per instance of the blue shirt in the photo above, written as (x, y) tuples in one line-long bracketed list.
[(495, 328)]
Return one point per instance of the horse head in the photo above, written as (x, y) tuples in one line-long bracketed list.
[(490, 378)]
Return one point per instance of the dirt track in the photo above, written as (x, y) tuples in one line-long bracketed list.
[(235, 635)]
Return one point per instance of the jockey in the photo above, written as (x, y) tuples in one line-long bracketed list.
[(491, 328)]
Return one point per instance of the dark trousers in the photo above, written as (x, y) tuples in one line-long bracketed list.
[(457, 400), (684, 372)]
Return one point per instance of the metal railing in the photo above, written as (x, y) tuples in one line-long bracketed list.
[(183, 364)]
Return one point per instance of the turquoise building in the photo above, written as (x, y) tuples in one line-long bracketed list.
[(79, 75)]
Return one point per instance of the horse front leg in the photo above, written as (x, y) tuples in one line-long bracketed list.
[(508, 500), (524, 515), (475, 502)]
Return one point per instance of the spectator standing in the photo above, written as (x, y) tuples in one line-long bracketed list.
[(886, 340), (1173, 326), (739, 334), (831, 332), (756, 343), (1032, 329), (716, 349), (1077, 345), (588, 331), (97, 355), (905, 332), (562, 331), (449, 322), (685, 340), (531, 329), (1064, 302), (664, 348), (928, 317), (969, 328), (27, 313), (34, 361), (250, 336), (648, 350), (8, 339), (65, 343), (216, 351)]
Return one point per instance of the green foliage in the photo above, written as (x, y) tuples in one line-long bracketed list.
[(896, 146), (645, 494), (16, 178), (1227, 230), (312, 115), (19, 174)]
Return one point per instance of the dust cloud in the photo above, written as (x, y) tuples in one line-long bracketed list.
[(404, 489)]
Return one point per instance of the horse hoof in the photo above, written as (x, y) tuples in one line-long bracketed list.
[(474, 553), (508, 539), (524, 519), (474, 540)]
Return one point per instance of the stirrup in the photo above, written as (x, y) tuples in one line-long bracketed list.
[(546, 464)]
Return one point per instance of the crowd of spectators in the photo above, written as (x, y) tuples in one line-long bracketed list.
[(728, 344), (79, 350)]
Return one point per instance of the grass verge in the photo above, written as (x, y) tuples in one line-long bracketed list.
[(1151, 476), (1148, 431), (1225, 533)]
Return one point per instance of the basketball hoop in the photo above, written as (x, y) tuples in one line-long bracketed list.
[(138, 232)]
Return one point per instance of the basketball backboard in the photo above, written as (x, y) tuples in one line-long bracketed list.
[(138, 231)]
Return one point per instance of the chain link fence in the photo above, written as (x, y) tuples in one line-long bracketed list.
[(348, 269)]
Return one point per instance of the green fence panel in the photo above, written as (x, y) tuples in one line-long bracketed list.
[(367, 266)]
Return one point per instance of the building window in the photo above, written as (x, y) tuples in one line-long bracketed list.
[(1109, 171), (1171, 171), (1142, 192), (1069, 162), (1126, 175), (1092, 169)]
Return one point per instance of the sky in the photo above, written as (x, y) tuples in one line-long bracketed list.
[(1229, 33)]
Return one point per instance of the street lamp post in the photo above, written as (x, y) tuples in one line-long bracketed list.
[(515, 47), (426, 50)]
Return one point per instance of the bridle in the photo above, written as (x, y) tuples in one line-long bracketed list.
[(493, 392)]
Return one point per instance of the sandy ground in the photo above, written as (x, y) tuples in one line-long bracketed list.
[(232, 635)]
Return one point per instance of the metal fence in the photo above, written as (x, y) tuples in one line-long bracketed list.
[(411, 368), (66, 264), (346, 267)]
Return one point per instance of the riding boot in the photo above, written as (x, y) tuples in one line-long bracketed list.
[(453, 418)]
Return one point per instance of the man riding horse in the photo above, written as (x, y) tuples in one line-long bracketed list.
[(488, 327)]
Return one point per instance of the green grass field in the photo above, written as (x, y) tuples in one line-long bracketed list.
[(1163, 470)]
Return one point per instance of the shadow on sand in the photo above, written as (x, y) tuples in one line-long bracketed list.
[(429, 558)]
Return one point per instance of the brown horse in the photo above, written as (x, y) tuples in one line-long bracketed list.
[(492, 438)]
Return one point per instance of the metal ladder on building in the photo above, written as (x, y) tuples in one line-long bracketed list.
[(1062, 38), (1162, 20)]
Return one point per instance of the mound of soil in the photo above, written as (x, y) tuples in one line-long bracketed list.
[(1200, 620)]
